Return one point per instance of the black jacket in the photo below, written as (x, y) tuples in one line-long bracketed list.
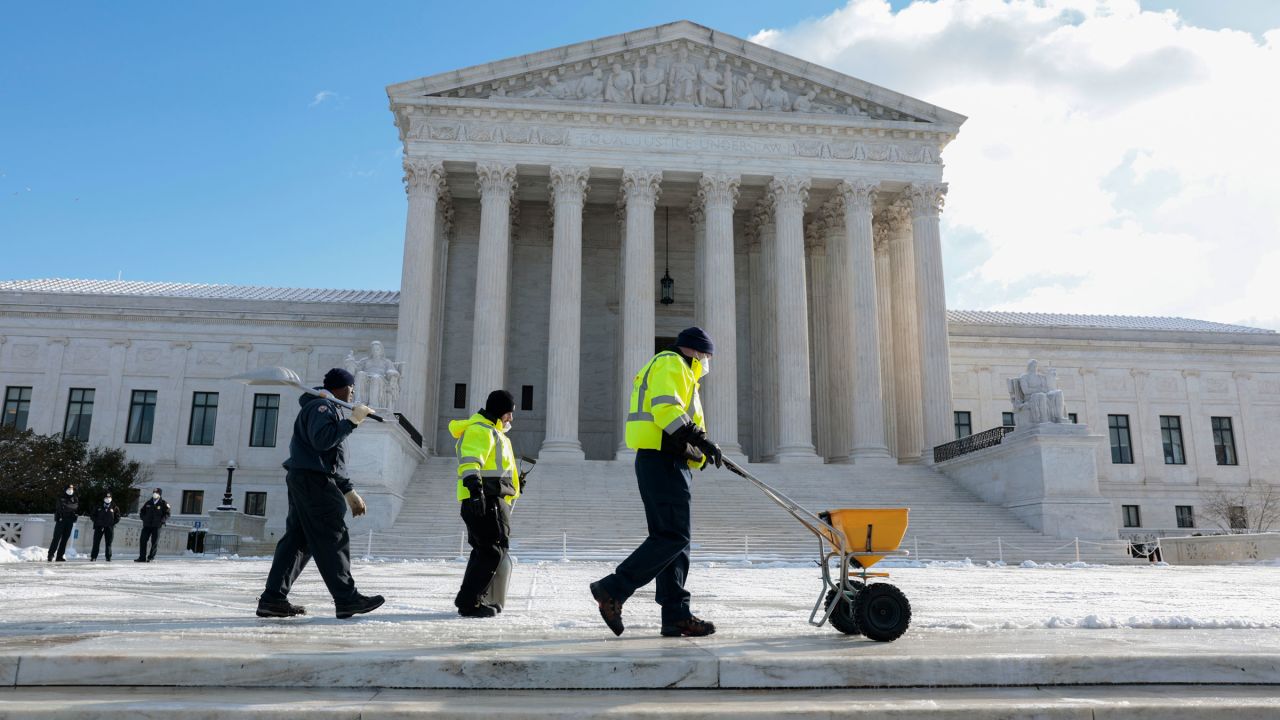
[(66, 507), (316, 444), (155, 513), (105, 516)]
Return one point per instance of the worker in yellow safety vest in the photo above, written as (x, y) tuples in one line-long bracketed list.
[(488, 483), (666, 429)]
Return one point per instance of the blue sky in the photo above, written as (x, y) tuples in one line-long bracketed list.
[(250, 143)]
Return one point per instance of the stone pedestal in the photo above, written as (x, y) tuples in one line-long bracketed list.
[(1047, 474), (1221, 549), (234, 522), (381, 460)]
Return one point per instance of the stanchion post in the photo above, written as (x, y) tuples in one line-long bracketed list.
[(564, 545), (1077, 549), (746, 547), (368, 549), (915, 545), (1000, 548)]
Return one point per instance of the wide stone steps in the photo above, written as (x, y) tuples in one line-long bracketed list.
[(592, 510)]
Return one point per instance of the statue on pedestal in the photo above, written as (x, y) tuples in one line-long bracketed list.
[(1036, 398), (377, 378)]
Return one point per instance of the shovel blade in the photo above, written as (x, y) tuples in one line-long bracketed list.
[(269, 376)]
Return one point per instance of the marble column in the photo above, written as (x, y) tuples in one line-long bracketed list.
[(884, 322), (925, 200), (1197, 437), (42, 417), (423, 179), (568, 193), (435, 344), (815, 255), (698, 224), (718, 193), (859, 301), (837, 386), (795, 427), (1144, 432), (497, 185), (764, 422), (640, 190), (908, 404)]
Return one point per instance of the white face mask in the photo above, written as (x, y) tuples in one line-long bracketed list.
[(506, 426), (70, 491), (704, 367), (106, 501), (155, 496)]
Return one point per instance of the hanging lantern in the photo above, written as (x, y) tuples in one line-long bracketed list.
[(668, 285)]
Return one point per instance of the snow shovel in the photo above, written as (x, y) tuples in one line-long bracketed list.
[(285, 376), (496, 593)]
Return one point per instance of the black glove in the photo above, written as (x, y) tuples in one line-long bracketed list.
[(474, 486), (711, 450)]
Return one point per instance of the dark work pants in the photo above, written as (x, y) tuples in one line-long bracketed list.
[(61, 534), (664, 555), (99, 534), (490, 537), (152, 534), (315, 528)]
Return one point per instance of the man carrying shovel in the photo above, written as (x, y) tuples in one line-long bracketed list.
[(319, 495)]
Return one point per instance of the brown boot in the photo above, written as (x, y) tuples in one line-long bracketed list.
[(689, 627), (610, 609)]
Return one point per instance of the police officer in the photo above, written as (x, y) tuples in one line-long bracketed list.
[(154, 514), (105, 518), (64, 520), (319, 496), (488, 484), (665, 427)]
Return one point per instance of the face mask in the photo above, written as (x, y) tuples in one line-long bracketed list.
[(155, 496), (70, 491), (106, 501), (506, 427), (704, 367)]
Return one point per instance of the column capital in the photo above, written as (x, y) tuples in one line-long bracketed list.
[(925, 199), (895, 219), (422, 175), (569, 183), (697, 212), (718, 189), (832, 214), (815, 233), (789, 191), (495, 178), (445, 209), (857, 195), (883, 235), (641, 186)]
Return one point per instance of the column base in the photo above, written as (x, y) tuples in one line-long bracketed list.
[(561, 451), (804, 454), (875, 455)]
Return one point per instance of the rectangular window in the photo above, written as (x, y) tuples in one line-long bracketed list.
[(459, 396), (1131, 516), (1224, 440), (964, 424), (1238, 518), (79, 414), (1121, 447), (1006, 419), (526, 397), (1171, 436), (142, 417), (192, 502), (266, 412), (17, 405), (1186, 516), (255, 503), (204, 416), (1073, 418)]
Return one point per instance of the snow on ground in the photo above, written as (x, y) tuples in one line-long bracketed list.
[(14, 554), (191, 598)]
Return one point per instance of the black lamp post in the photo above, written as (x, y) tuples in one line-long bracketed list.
[(668, 285), (227, 502)]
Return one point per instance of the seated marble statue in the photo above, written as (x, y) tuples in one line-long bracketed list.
[(377, 378), (1035, 397)]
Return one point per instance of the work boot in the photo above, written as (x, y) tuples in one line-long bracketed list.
[(478, 611), (139, 559), (610, 609), (688, 627), (364, 604), (279, 609)]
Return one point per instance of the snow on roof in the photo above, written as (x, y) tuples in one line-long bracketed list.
[(1106, 322), (201, 291)]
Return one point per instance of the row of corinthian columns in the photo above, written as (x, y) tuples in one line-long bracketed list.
[(884, 364)]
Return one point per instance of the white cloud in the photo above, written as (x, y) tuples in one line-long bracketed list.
[(321, 97), (1115, 160)]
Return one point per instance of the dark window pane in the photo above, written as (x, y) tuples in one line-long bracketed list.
[(255, 503), (1131, 516), (964, 424), (266, 413), (79, 414), (142, 417), (17, 407), (460, 396), (1073, 418), (1186, 516), (1224, 440), (1171, 437), (204, 418), (1238, 518), (192, 502), (1121, 445), (1006, 419), (526, 397)]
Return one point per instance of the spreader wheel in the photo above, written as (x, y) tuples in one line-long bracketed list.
[(881, 612), (842, 616)]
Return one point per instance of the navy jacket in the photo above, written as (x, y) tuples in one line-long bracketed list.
[(105, 516), (317, 439), (154, 514), (66, 507)]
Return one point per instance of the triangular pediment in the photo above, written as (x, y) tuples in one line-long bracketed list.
[(680, 65)]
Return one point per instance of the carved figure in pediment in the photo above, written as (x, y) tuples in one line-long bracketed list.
[(746, 95), (651, 82), (777, 99), (591, 87), (555, 89), (682, 80), (804, 103), (620, 86), (714, 89)]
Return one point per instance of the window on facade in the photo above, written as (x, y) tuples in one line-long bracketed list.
[(204, 417), (17, 405), (1131, 516), (1238, 518), (459, 396), (964, 424), (1224, 440), (1171, 436), (1121, 447), (255, 503), (1186, 516), (192, 502), (142, 417), (266, 412), (1006, 419), (526, 397), (79, 414), (1073, 418)]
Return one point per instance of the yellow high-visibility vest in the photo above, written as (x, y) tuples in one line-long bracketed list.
[(664, 397), (483, 449)]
